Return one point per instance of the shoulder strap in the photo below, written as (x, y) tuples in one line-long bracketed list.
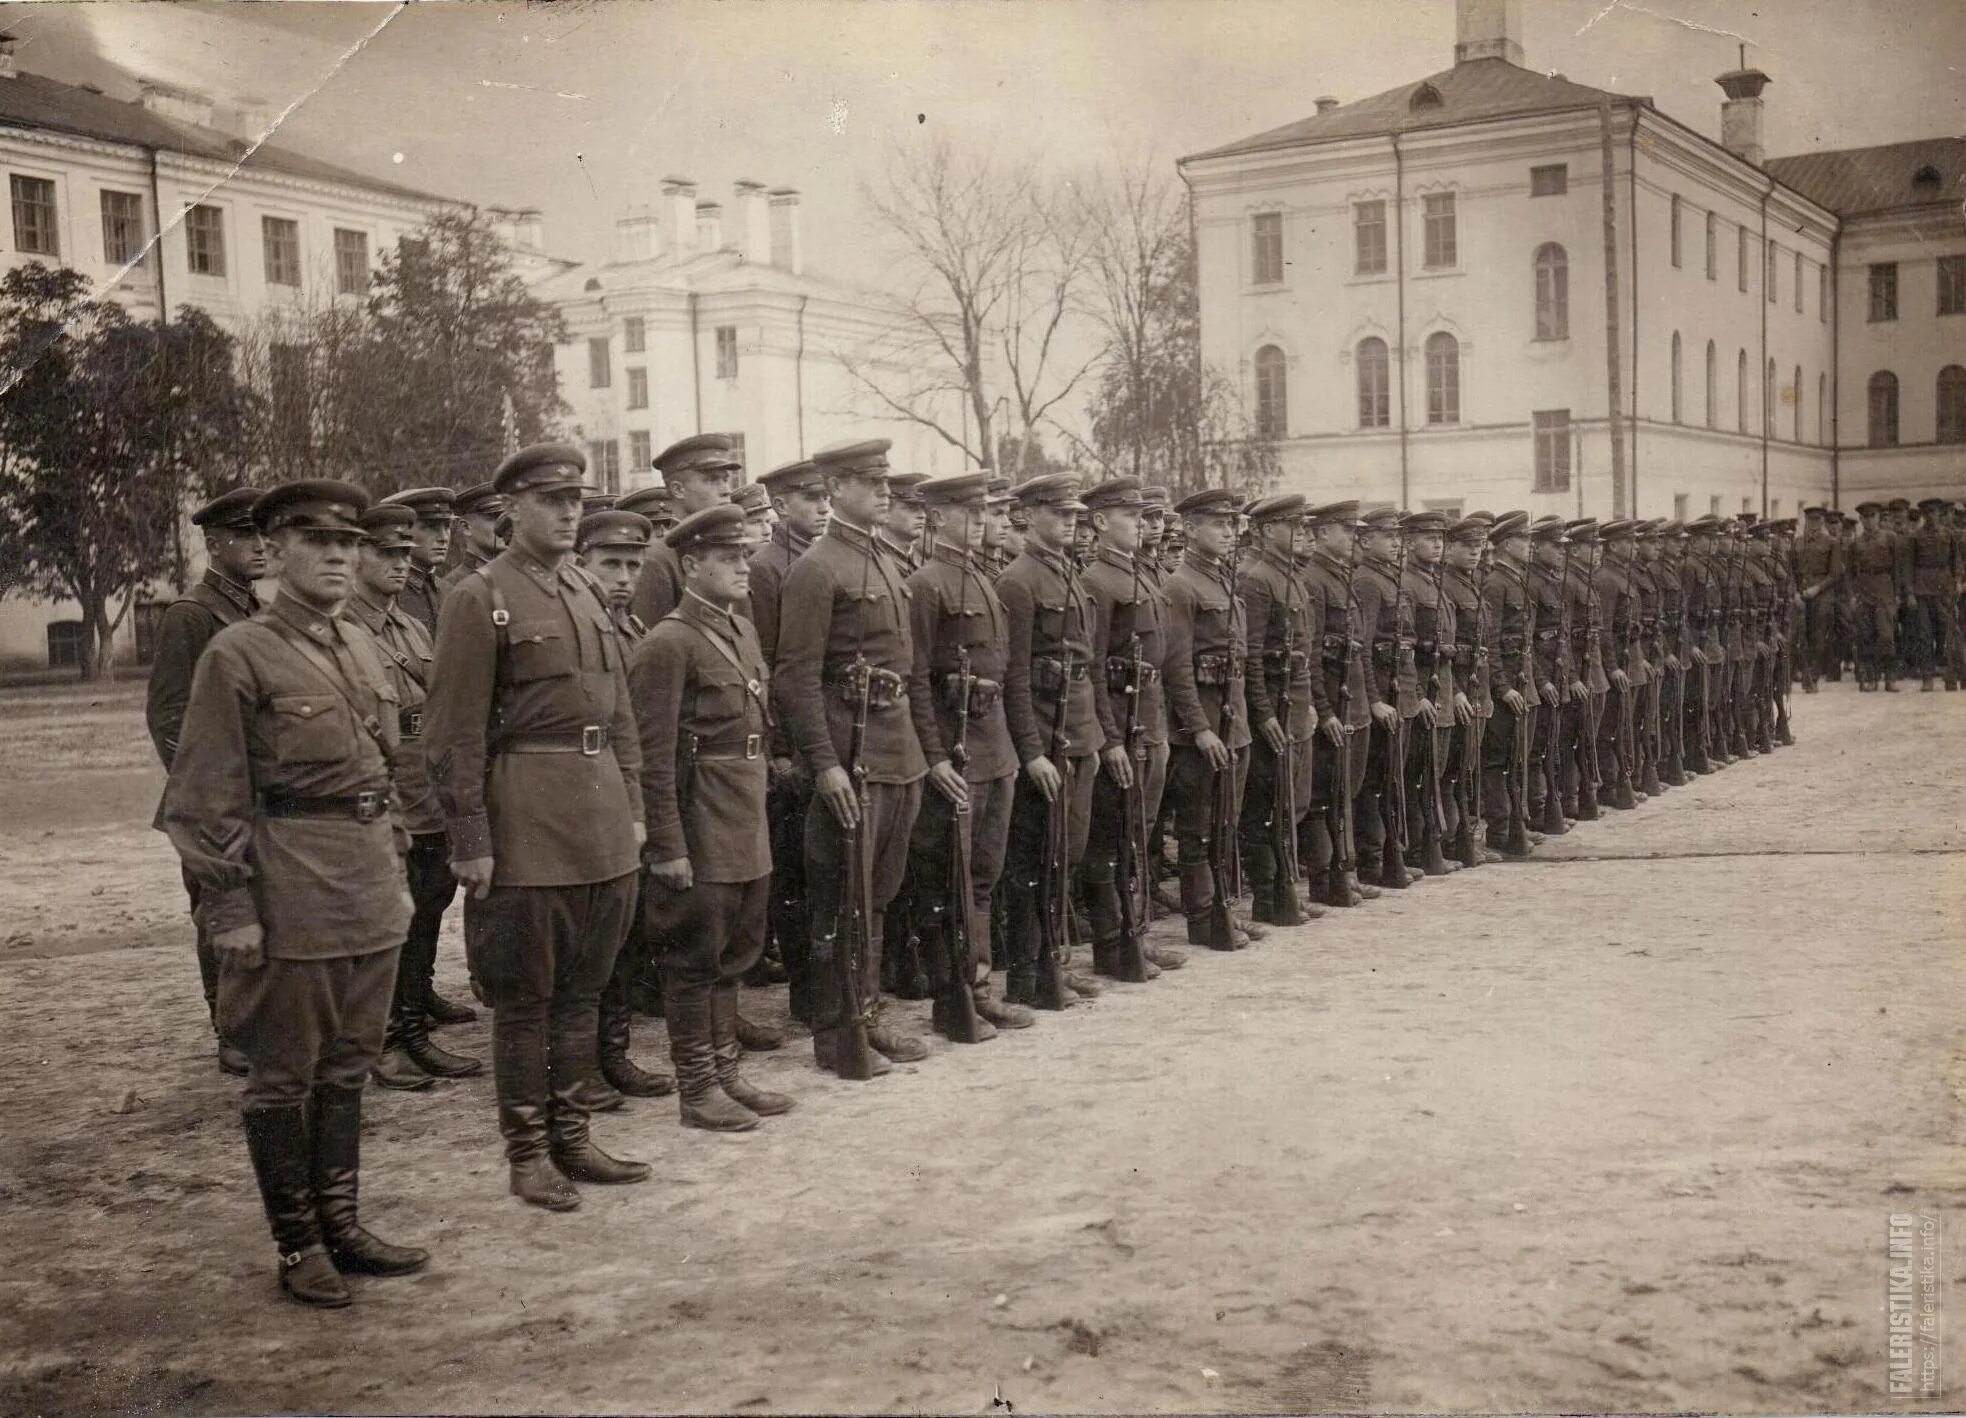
[(327, 669), (752, 686)]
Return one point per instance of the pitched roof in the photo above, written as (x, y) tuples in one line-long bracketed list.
[(35, 101), (1469, 92), (1855, 181)]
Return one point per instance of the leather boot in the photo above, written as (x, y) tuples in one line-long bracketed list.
[(723, 1037), (519, 1075), (756, 1038), (573, 1149), (413, 1039), (1164, 957), (886, 1036), (276, 1140), (336, 1136), (1018, 937), (622, 1073), (393, 1068), (443, 1011), (232, 1060), (1000, 1013), (692, 1050), (826, 1053)]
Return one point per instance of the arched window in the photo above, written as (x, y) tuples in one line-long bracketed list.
[(1741, 391), (1797, 420), (1884, 409), (1272, 407), (1374, 394), (1675, 370), (1822, 408), (1552, 293), (1443, 378), (1952, 404), (1713, 388)]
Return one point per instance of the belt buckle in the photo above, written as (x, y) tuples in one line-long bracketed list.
[(593, 738), (753, 745), (413, 723), (368, 806)]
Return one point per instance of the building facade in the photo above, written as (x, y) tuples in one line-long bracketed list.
[(702, 325), (1430, 296), (88, 177)]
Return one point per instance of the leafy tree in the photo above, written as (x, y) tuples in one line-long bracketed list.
[(107, 427)]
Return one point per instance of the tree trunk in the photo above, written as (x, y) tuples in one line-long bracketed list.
[(98, 640)]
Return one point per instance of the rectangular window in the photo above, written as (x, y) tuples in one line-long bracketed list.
[(1713, 247), (1770, 253), (1266, 248), (737, 452), (1552, 450), (281, 239), (1952, 285), (122, 227), (640, 451), (1798, 283), (1747, 504), (1675, 231), (634, 334), (1679, 500), (34, 216), (1741, 258), (1369, 238), (1713, 505), (611, 466), (65, 644), (600, 372), (1822, 295), (638, 388), (1550, 180), (204, 241), (351, 262), (1884, 291), (1438, 213), (726, 352)]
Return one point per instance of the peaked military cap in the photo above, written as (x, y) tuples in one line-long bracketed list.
[(1059, 490), (1471, 531), (719, 526), (797, 476), (651, 502), (1381, 519), (430, 504), (317, 503), (1343, 513), (1898, 504), (1671, 528), (1866, 509), (906, 487), (860, 455), (1549, 529), (1209, 502), (386, 526), (597, 502), (753, 498), (611, 527), (956, 490), (1423, 522), (544, 467), (1933, 504), (229, 511), (1486, 518), (1582, 530), (1704, 526), (700, 452), (1509, 524), (1621, 529), (1277, 507), (1815, 512), (997, 491), (1155, 496), (481, 498), (1115, 492)]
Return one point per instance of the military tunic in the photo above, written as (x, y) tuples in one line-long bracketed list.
[(422, 598), (660, 586)]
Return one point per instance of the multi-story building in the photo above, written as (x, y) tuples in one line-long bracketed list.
[(245, 228), (694, 326), (1438, 295)]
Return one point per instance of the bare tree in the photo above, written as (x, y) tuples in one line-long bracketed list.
[(991, 259)]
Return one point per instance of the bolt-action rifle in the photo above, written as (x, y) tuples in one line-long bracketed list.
[(954, 1011)]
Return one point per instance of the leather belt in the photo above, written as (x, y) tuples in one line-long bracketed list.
[(735, 751), (362, 807), (589, 741), (409, 722)]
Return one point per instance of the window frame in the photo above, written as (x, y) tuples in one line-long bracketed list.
[(1375, 404), (637, 377), (1559, 186), (600, 362), (1266, 248), (1713, 385), (1881, 393), (641, 448), (1550, 430), (1678, 382), (1678, 250), (1950, 275), (1883, 292), (1360, 226), (1771, 257), (38, 199), (138, 256), (1798, 283), (213, 238), (727, 357), (1741, 258), (1440, 244), (1949, 421), (1270, 388), (1741, 392), (1443, 357), (269, 247), (1713, 247), (344, 268), (1551, 265), (634, 334)]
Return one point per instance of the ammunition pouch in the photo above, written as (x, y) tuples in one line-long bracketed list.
[(1218, 667), (1050, 674), (882, 689), (1119, 674)]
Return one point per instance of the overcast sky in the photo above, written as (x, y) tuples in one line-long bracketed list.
[(582, 108)]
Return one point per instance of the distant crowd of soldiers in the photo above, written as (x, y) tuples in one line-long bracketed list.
[(879, 735), (1885, 593)]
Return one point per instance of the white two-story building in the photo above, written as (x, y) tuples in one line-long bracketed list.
[(1438, 295)]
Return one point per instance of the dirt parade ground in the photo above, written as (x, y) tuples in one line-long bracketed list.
[(1622, 1128)]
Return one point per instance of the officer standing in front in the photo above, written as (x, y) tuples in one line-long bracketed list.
[(410, 1057), (235, 557), (843, 634), (538, 767), (279, 806), (699, 688)]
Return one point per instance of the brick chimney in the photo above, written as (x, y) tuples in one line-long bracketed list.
[(518, 228), (168, 101), (753, 212), (9, 66), (785, 249), (1740, 115), (1487, 29), (1325, 103), (636, 235), (250, 118), (678, 223), (709, 226)]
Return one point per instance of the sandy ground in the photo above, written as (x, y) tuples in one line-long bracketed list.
[(1621, 1128)]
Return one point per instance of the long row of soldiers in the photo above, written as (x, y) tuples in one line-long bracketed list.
[(1885, 592), (918, 727)]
